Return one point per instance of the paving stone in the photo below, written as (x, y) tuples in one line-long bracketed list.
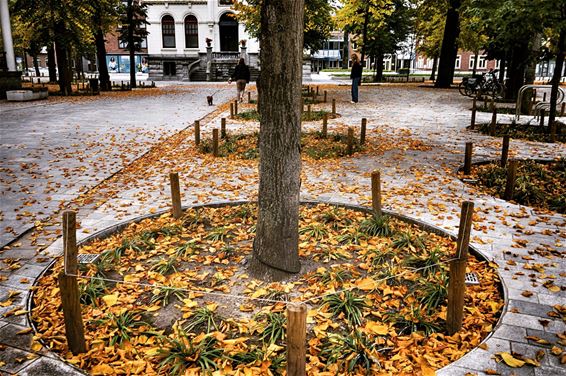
[(13, 360), (9, 336), (477, 360), (529, 308), (550, 337), (49, 367), (520, 320)]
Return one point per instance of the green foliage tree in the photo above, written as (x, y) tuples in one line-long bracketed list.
[(133, 31), (318, 21), (105, 17), (66, 23), (429, 29)]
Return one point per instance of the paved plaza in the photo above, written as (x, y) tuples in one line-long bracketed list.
[(109, 159)]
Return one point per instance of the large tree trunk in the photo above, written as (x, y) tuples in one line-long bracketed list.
[(365, 36), (131, 45), (475, 67), (103, 76), (276, 246), (51, 63), (346, 51), (557, 75), (516, 72), (35, 66), (449, 49), (502, 67), (65, 77)]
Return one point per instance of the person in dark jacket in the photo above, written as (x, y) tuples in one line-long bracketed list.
[(356, 76), (242, 76)]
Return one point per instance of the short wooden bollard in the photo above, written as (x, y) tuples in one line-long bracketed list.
[(296, 339), (309, 113), (69, 288), (363, 131), (249, 97), (493, 120), (333, 107), (231, 110), (223, 128), (510, 183), (350, 140), (325, 96), (376, 192), (324, 125), (468, 158), (505, 150), (474, 109), (175, 195), (235, 107), (215, 142), (197, 132), (544, 97), (457, 279), (542, 115), (317, 90)]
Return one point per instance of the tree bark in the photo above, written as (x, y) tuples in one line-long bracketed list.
[(35, 65), (275, 253), (63, 64), (449, 49), (379, 67), (475, 64), (131, 45), (103, 75), (434, 67), (556, 76), (365, 36), (516, 71), (346, 51), (51, 63)]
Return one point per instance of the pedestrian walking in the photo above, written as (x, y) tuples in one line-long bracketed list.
[(356, 76), (242, 76)]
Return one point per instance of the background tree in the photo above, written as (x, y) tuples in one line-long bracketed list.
[(429, 29), (449, 48), (318, 22), (133, 32), (275, 253), (67, 24), (105, 18)]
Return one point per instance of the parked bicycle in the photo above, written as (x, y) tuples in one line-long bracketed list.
[(484, 84)]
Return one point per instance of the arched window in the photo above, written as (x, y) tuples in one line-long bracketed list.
[(168, 31), (191, 32), (228, 32)]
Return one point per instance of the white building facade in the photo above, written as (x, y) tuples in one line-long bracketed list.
[(196, 40)]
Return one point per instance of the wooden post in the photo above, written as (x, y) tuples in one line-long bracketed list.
[(468, 158), (317, 90), (223, 128), (235, 107), (544, 97), (175, 195), (215, 142), (333, 106), (350, 140), (363, 131), (309, 114), (376, 192), (493, 120), (231, 110), (474, 109), (324, 125), (296, 339), (505, 150), (69, 288), (457, 279), (325, 96), (197, 132), (249, 97), (510, 184), (542, 114)]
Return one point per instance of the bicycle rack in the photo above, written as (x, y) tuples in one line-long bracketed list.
[(540, 105)]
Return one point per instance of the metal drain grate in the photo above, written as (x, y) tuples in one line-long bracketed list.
[(472, 279), (87, 258)]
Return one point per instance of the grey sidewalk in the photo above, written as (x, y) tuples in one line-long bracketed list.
[(419, 183)]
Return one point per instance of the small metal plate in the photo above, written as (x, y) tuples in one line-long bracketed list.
[(472, 279), (466, 180), (87, 258)]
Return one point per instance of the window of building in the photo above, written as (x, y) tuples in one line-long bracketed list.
[(497, 64), (472, 62), (458, 62), (482, 62), (191, 32), (168, 31), (226, 2), (169, 68)]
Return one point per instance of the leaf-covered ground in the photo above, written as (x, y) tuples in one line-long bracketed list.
[(173, 296), (541, 185)]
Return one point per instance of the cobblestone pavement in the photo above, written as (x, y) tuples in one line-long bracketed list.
[(425, 131)]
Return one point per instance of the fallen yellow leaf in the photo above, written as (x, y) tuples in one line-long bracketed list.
[(510, 360)]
